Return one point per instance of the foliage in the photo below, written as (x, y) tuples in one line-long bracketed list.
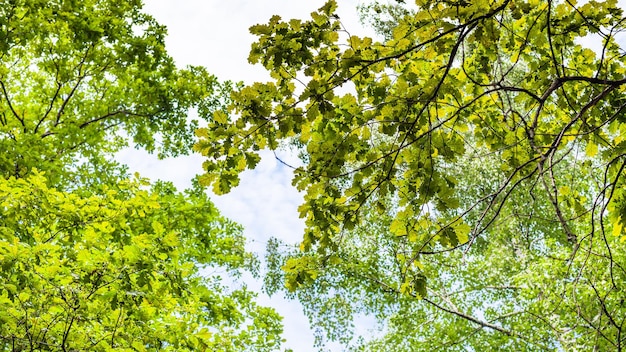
[(516, 288), (120, 270), (521, 248), (90, 259), (97, 71), (383, 17)]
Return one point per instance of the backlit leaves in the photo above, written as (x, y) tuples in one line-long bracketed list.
[(384, 126), (123, 267), (91, 260), (97, 72)]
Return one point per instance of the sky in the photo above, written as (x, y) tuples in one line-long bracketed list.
[(214, 34)]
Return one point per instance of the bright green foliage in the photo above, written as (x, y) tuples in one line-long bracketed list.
[(91, 260), (95, 70), (119, 270), (384, 127)]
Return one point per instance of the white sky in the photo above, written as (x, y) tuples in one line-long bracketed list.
[(215, 34)]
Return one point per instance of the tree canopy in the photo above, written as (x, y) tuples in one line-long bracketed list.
[(95, 71), (463, 179), (92, 259), (463, 176), (120, 270)]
